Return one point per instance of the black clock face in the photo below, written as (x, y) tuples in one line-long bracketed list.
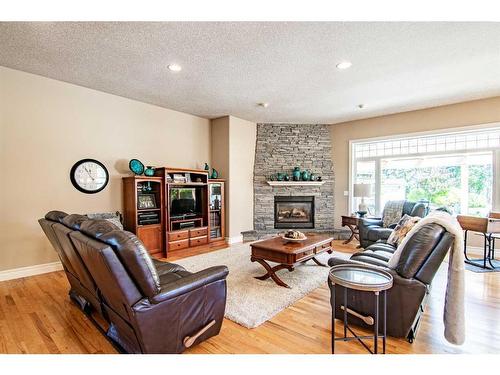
[(89, 176)]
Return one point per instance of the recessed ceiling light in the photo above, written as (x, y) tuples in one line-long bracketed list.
[(344, 65), (263, 105), (174, 67)]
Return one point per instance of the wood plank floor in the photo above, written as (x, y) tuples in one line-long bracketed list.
[(37, 316)]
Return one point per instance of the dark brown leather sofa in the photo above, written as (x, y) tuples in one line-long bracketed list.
[(151, 306), (372, 230), (419, 262)]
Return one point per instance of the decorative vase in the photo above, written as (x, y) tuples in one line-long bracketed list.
[(207, 167), (271, 177), (305, 176), (286, 177), (136, 166), (149, 171), (280, 176), (296, 174), (312, 177), (215, 174)]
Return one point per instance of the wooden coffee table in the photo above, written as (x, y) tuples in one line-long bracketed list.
[(289, 254)]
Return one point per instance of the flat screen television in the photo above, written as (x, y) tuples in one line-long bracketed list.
[(185, 202)]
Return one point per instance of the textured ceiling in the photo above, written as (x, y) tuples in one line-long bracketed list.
[(230, 67)]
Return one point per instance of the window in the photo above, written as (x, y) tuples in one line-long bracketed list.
[(455, 170)]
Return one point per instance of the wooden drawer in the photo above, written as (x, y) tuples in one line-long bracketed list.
[(321, 248), (176, 245), (197, 241), (305, 254), (198, 232), (178, 235)]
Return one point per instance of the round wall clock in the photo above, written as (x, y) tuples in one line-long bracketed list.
[(89, 176)]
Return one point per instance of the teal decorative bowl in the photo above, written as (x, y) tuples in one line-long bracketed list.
[(149, 171)]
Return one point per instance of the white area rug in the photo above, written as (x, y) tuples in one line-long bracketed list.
[(251, 302)]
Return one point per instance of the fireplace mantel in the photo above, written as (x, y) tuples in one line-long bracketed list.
[(296, 183)]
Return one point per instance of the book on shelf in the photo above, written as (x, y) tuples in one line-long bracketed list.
[(214, 219), (179, 178)]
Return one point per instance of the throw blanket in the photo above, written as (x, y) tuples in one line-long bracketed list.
[(393, 210), (454, 314)]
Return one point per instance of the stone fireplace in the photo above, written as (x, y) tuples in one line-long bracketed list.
[(280, 148), (295, 212)]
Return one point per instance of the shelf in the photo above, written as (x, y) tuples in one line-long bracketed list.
[(146, 178), (214, 210), (148, 209), (187, 184), (296, 183), (184, 220)]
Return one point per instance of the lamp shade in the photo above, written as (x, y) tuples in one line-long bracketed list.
[(362, 190)]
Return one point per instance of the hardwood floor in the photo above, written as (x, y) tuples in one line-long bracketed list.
[(37, 316)]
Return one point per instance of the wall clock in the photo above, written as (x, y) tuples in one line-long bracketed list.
[(89, 176)]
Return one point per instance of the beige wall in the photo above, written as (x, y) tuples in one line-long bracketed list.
[(233, 153), (47, 125), (243, 136), (220, 156), (438, 118)]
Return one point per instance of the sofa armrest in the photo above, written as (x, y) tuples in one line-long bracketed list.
[(371, 221), (364, 226), (190, 283)]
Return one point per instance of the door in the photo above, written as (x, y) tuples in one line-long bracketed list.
[(151, 236)]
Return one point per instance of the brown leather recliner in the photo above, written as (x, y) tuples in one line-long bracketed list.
[(57, 225), (419, 262), (151, 306)]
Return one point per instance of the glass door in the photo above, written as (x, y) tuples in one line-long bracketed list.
[(216, 191)]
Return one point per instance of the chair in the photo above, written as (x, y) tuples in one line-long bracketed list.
[(151, 306), (371, 230), (57, 225), (419, 262)]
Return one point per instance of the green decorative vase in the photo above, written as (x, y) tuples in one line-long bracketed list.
[(312, 177), (305, 176), (215, 174), (296, 174), (207, 167), (280, 176), (149, 171)]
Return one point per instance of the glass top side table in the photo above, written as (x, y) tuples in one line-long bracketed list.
[(364, 278)]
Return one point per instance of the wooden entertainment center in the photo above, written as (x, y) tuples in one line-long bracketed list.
[(175, 210)]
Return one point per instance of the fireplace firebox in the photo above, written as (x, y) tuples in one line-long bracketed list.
[(293, 212)]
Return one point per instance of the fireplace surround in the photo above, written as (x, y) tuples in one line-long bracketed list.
[(295, 212), (281, 148)]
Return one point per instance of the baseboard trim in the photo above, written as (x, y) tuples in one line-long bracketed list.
[(18, 273), (235, 239)]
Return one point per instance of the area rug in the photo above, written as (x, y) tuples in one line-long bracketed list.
[(479, 268), (251, 302)]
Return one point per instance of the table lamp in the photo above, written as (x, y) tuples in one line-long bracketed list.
[(362, 191)]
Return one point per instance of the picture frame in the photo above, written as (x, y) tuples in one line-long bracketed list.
[(145, 201)]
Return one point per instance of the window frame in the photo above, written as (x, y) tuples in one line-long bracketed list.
[(441, 132)]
